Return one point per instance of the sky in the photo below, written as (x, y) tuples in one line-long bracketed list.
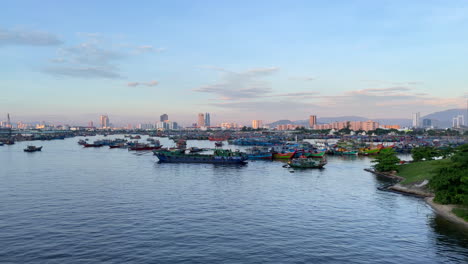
[(70, 61)]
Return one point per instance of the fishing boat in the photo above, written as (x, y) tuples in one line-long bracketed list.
[(219, 144), (181, 144), (33, 149), (306, 163), (368, 152), (142, 147), (350, 152), (195, 150), (1, 143), (259, 153), (315, 154), (219, 156), (117, 145), (284, 155), (218, 138), (93, 145)]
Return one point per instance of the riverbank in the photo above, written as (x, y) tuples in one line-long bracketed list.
[(413, 179)]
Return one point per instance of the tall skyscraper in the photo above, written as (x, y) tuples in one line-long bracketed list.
[(201, 120), (312, 121), (163, 117), (104, 121), (90, 124), (257, 124), (207, 119), (458, 121), (416, 120)]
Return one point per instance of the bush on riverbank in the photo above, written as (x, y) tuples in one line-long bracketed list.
[(461, 212), (386, 161), (451, 180)]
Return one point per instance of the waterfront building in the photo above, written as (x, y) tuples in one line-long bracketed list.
[(104, 121), (201, 120), (229, 125), (163, 117), (207, 119), (416, 120), (256, 124), (312, 121), (145, 126)]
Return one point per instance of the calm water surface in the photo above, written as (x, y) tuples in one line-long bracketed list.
[(73, 205)]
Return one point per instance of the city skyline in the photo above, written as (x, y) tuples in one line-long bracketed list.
[(359, 57)]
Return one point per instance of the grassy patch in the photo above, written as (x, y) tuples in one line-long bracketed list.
[(420, 171), (461, 212)]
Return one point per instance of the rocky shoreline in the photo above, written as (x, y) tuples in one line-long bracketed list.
[(421, 190)]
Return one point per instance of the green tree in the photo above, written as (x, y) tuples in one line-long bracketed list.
[(386, 161), (424, 153), (451, 182)]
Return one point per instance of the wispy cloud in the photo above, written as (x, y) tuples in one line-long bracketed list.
[(83, 72), (28, 38), (149, 84), (148, 49), (240, 85), (87, 60)]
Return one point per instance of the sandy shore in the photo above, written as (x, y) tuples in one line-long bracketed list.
[(421, 190), (445, 210)]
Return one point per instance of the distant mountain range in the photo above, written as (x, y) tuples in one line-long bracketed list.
[(443, 119)]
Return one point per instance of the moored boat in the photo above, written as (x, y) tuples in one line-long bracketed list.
[(33, 149), (219, 156), (285, 155), (307, 163), (142, 147), (219, 144)]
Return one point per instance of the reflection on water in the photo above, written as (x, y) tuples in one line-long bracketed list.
[(69, 204)]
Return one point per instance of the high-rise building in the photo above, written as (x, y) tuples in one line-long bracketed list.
[(427, 123), (104, 121), (90, 124), (312, 121), (201, 120), (458, 121), (416, 120), (256, 124), (207, 119), (163, 117)]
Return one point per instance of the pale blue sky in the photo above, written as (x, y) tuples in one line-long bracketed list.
[(239, 60)]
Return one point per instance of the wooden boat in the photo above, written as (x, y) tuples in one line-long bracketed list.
[(93, 145), (286, 155), (219, 156), (33, 149), (307, 163), (315, 154), (219, 144), (142, 147)]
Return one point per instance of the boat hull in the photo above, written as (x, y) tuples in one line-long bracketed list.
[(265, 156)]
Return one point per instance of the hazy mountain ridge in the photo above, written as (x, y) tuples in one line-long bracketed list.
[(443, 119)]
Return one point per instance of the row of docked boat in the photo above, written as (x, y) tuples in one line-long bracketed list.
[(122, 143)]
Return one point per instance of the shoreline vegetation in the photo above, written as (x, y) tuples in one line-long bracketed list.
[(442, 183)]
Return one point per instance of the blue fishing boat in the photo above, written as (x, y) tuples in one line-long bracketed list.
[(219, 156)]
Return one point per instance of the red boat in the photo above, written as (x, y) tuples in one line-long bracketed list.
[(144, 147), (287, 155)]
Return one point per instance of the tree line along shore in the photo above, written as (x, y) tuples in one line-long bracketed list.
[(439, 175)]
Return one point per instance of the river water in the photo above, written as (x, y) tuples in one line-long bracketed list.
[(68, 204)]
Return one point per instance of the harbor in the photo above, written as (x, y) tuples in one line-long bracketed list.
[(228, 206)]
